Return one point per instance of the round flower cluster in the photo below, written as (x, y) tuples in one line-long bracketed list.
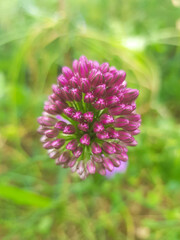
[(90, 119)]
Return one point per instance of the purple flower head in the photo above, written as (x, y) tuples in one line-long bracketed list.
[(89, 120)]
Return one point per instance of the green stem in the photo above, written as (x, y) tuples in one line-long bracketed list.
[(76, 106)]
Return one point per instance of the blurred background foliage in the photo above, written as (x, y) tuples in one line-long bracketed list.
[(41, 201)]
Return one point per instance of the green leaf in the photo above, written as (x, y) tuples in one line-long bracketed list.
[(23, 197)]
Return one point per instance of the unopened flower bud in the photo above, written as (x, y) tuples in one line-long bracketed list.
[(44, 139), (100, 90), (60, 125), (104, 67), (99, 104), (108, 78), (75, 94), (83, 68), (46, 121), (62, 81), (130, 94), (42, 129), (115, 161), (133, 117), (85, 139), (96, 64), (60, 105), (89, 97), (112, 101), (72, 162), (135, 132), (65, 93), (83, 126), (96, 149), (53, 153), (103, 135), (77, 116), (74, 82), (112, 70), (123, 157), (64, 157), (98, 127), (75, 65), (119, 77), (80, 167), (91, 167), (120, 122), (108, 164), (109, 148), (47, 145), (131, 126), (57, 143), (69, 129), (124, 135), (127, 109), (72, 145), (84, 85), (101, 170), (52, 133), (96, 78), (77, 153), (115, 111), (69, 111), (67, 72), (56, 90), (113, 134), (106, 119), (88, 116), (112, 90), (97, 158)]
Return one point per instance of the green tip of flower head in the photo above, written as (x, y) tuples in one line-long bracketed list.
[(89, 120)]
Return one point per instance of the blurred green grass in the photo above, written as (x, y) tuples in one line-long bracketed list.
[(41, 201)]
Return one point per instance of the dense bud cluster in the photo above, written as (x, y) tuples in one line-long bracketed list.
[(90, 119)]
